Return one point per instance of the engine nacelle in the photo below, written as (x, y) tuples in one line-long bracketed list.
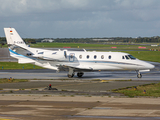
[(51, 55)]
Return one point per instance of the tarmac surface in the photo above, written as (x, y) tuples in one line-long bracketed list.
[(153, 75), (96, 82), (5, 57), (33, 107), (86, 98), (106, 75)]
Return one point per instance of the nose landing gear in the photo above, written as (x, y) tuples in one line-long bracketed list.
[(139, 75)]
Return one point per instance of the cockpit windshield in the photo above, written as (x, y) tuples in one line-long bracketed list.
[(131, 57)]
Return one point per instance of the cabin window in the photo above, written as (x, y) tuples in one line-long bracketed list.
[(95, 56), (40, 53), (131, 57), (123, 57), (102, 57), (109, 57), (55, 53), (87, 56), (126, 57), (80, 56)]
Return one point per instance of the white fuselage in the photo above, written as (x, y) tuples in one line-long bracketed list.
[(96, 60)]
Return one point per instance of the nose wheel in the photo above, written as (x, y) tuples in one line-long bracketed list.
[(139, 75)]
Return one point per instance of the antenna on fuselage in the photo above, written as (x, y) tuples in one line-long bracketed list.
[(65, 54)]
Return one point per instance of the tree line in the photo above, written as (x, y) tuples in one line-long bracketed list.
[(155, 39)]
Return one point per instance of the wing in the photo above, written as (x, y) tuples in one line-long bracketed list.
[(65, 67), (86, 67)]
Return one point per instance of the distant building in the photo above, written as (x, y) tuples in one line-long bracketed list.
[(47, 40), (102, 39)]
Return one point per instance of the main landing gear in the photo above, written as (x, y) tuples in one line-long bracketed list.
[(70, 76), (71, 73), (80, 74)]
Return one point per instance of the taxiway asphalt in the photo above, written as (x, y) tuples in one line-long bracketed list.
[(91, 81), (107, 75), (76, 98)]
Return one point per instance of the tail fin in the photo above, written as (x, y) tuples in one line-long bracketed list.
[(13, 38)]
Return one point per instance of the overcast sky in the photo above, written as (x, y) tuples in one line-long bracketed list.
[(81, 18)]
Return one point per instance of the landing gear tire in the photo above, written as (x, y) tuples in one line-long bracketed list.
[(139, 75), (70, 76), (80, 74)]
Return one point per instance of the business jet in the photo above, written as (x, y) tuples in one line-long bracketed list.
[(71, 60)]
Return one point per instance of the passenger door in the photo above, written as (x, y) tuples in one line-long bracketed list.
[(71, 57)]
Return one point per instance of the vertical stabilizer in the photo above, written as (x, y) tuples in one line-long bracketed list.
[(13, 38)]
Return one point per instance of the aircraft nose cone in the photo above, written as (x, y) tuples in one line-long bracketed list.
[(150, 66), (146, 66)]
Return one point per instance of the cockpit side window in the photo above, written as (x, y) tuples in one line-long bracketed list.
[(131, 57), (126, 57), (123, 57)]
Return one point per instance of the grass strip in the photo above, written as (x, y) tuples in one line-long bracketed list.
[(93, 46), (153, 56), (15, 65), (8, 80), (150, 90)]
